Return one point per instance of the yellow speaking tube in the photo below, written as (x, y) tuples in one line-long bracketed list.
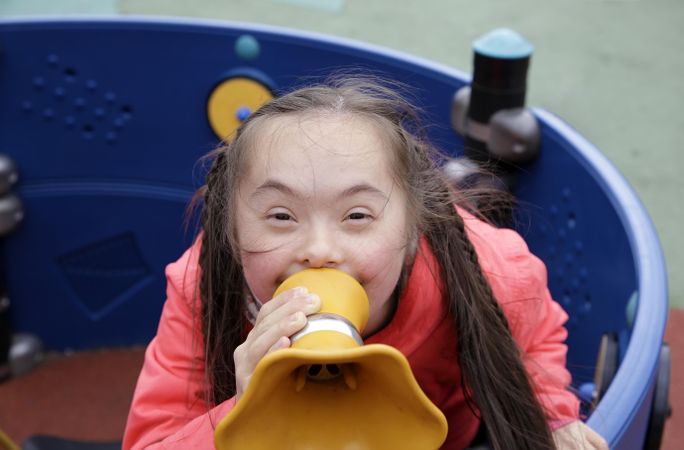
[(328, 391)]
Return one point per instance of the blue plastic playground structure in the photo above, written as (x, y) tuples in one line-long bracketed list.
[(106, 120)]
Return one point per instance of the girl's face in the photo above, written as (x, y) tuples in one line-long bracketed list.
[(320, 192)]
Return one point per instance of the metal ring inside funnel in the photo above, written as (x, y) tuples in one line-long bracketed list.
[(328, 322)]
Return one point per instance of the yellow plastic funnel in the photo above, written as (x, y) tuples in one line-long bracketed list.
[(329, 391)]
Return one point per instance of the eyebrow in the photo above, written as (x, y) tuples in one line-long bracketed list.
[(363, 188), (275, 185), (283, 188)]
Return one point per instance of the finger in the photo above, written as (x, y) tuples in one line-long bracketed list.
[(596, 440), (281, 299), (273, 328), (307, 304), (281, 343), (256, 346), (242, 379), (288, 326)]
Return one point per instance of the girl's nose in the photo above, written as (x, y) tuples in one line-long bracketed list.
[(320, 249)]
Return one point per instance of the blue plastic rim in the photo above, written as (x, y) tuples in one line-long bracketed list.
[(638, 367), (112, 178)]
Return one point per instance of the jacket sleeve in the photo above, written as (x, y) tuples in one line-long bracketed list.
[(519, 282), (169, 409)]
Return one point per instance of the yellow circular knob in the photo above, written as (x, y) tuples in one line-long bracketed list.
[(232, 101)]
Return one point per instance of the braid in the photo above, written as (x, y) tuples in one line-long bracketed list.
[(493, 375), (494, 379)]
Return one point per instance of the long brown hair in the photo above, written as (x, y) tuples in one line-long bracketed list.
[(494, 378)]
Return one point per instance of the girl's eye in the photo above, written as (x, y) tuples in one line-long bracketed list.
[(280, 218), (358, 216)]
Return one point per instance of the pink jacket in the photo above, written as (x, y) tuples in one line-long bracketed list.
[(168, 409)]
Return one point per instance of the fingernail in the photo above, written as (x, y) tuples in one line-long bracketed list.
[(300, 290), (312, 299), (283, 343)]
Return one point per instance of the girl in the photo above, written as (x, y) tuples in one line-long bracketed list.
[(331, 176)]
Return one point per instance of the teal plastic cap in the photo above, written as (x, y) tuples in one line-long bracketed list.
[(503, 43), (247, 47)]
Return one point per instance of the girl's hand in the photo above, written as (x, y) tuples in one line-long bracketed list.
[(577, 435), (277, 320)]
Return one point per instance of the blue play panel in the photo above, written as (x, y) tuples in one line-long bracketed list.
[(107, 119)]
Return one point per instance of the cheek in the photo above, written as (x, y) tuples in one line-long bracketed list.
[(249, 236), (261, 271), (380, 288), (382, 255), (382, 264), (263, 260), (261, 257), (380, 273)]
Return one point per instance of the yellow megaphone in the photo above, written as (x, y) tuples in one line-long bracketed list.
[(328, 391)]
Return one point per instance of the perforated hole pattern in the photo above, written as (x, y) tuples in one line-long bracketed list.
[(568, 272), (64, 96)]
